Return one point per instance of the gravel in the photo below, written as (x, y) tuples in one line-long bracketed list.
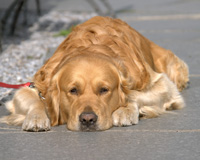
[(19, 62)]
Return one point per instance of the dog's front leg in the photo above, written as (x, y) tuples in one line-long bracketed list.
[(126, 116), (36, 119), (28, 102)]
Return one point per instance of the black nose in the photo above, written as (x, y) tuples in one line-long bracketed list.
[(88, 118)]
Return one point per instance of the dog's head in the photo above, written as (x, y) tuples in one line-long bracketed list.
[(85, 91)]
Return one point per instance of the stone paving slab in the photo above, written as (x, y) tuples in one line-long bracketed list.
[(101, 145), (170, 136)]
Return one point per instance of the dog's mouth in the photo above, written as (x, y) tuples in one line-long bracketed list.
[(88, 129), (88, 121)]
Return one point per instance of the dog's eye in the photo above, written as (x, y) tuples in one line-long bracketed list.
[(103, 91), (74, 91)]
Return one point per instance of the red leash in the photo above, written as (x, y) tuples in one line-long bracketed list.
[(15, 86)]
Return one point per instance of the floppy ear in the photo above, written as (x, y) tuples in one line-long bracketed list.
[(125, 84), (53, 101)]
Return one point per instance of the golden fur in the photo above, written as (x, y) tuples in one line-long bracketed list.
[(103, 74)]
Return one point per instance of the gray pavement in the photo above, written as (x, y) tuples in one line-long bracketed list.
[(171, 136)]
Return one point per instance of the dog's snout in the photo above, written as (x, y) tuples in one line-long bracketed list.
[(88, 118)]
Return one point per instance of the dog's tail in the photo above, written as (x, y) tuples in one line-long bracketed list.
[(13, 118), (147, 112), (150, 112)]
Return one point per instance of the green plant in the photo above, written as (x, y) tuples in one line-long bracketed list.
[(64, 32)]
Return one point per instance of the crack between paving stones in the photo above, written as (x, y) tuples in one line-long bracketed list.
[(194, 75), (161, 131), (163, 17), (132, 131)]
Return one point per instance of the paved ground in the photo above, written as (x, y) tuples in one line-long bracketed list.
[(171, 136)]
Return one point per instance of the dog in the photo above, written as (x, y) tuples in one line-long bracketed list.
[(103, 74)]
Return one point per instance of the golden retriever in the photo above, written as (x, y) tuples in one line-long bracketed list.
[(104, 74)]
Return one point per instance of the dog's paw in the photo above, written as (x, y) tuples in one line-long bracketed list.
[(36, 122), (125, 117)]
